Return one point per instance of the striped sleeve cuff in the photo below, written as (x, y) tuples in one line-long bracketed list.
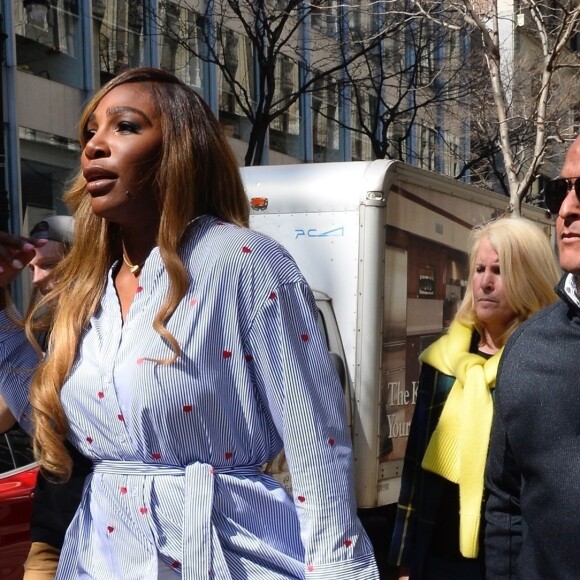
[(363, 568)]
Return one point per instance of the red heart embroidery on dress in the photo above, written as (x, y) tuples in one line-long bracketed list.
[(249, 358), (144, 510), (331, 441), (228, 454), (175, 564), (111, 529), (123, 490), (187, 408), (89, 439), (156, 455), (140, 361), (101, 394), (193, 302), (246, 250), (301, 498), (139, 289), (310, 568), (304, 337), (347, 543), (273, 296), (120, 417), (227, 353)]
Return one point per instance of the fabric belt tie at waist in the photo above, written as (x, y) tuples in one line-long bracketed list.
[(141, 468), (198, 505)]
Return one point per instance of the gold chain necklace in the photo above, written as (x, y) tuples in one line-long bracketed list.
[(135, 268)]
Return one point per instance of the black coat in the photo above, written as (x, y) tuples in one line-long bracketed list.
[(533, 472)]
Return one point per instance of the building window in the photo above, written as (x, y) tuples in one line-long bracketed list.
[(360, 16), (183, 44), (48, 40), (398, 140), (426, 48), (426, 150), (453, 156), (47, 163), (235, 81), (323, 16), (576, 122), (285, 129), (325, 120), (360, 121), (118, 25)]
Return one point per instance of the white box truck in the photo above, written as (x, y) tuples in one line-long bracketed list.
[(383, 245)]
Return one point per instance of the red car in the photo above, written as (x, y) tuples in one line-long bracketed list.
[(17, 480)]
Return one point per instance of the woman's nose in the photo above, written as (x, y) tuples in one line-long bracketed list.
[(96, 147), (38, 276), (487, 280)]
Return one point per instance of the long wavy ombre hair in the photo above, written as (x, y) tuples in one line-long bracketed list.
[(528, 267), (196, 174)]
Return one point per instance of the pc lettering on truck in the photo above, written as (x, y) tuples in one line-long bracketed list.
[(383, 246)]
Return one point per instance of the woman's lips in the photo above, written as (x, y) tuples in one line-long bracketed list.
[(99, 180), (100, 186)]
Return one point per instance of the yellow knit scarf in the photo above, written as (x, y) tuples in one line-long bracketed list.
[(458, 447)]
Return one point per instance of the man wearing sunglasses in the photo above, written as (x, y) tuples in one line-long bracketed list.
[(533, 470)]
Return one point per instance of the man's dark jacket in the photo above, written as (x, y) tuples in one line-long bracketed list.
[(533, 473)]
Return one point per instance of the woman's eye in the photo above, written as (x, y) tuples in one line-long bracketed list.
[(126, 127), (88, 133)]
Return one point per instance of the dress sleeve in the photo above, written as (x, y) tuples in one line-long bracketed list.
[(18, 361), (404, 531), (295, 377), (503, 531)]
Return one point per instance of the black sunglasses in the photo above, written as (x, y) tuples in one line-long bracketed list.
[(556, 191)]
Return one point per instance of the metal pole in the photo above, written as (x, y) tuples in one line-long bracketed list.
[(4, 203)]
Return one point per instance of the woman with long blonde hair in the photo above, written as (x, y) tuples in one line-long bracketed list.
[(184, 353), (438, 529)]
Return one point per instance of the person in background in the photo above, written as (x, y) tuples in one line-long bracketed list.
[(533, 510), (58, 231), (53, 504), (438, 529), (184, 354)]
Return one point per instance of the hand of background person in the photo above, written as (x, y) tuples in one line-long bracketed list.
[(404, 573), (15, 253)]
